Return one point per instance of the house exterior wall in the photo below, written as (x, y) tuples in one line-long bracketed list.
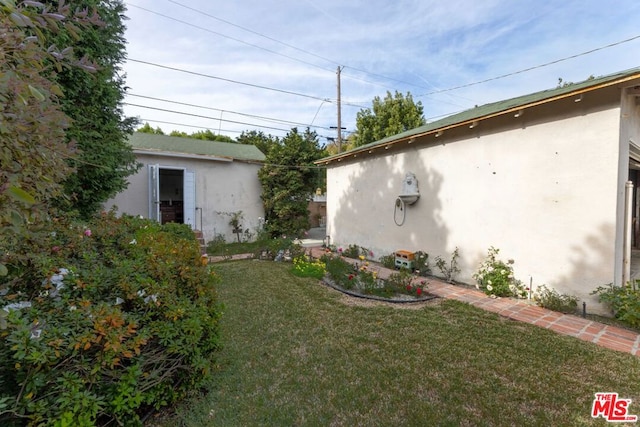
[(543, 189), (221, 189)]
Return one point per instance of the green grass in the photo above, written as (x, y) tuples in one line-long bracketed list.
[(296, 354), (233, 248)]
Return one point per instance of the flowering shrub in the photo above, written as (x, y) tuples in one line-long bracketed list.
[(277, 249), (355, 252), (495, 277), (421, 263), (304, 267), (102, 323), (362, 278)]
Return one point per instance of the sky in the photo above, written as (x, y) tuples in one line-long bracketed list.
[(271, 65)]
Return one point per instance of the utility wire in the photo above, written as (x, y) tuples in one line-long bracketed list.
[(188, 126), (534, 67), (209, 76), (203, 117), (225, 36), (294, 48), (365, 71), (166, 67), (269, 50), (269, 119), (216, 131)]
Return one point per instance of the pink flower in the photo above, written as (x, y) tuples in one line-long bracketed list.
[(339, 249), (87, 232), (370, 254), (56, 249), (419, 291)]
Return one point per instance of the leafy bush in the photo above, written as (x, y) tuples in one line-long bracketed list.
[(217, 245), (352, 251), (553, 300), (355, 252), (103, 322), (277, 249), (388, 261), (495, 277), (624, 301)]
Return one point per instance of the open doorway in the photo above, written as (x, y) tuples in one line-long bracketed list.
[(172, 195)]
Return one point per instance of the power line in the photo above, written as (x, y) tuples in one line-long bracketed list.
[(200, 127), (225, 36), (203, 117), (189, 126), (270, 119), (239, 82), (226, 80), (534, 67), (294, 47), (269, 50)]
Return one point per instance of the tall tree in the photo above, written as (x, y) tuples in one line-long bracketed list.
[(207, 135), (389, 116), (148, 129), (289, 179), (259, 139), (94, 103), (33, 147)]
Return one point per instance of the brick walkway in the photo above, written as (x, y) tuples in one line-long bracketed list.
[(524, 311)]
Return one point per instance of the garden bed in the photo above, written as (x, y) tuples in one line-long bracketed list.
[(397, 298)]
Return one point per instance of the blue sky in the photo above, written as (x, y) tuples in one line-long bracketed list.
[(277, 59)]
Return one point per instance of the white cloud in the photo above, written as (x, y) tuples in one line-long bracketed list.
[(407, 45)]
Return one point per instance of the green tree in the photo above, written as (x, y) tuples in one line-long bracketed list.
[(94, 103), (148, 129), (207, 135), (33, 147), (259, 139), (389, 116), (288, 180), (181, 134)]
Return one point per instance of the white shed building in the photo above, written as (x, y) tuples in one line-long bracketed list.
[(541, 177), (196, 182)]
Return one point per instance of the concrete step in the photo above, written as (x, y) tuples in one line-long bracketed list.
[(201, 242)]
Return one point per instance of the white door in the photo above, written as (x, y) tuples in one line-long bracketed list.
[(154, 192), (189, 200)]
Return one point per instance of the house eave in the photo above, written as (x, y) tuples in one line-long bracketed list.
[(436, 132)]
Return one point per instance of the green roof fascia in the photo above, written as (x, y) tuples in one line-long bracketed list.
[(175, 144), (488, 110)]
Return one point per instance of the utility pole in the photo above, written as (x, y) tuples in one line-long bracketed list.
[(339, 114)]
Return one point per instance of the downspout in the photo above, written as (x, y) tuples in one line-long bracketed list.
[(626, 239)]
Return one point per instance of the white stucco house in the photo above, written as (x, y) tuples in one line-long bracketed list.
[(195, 182), (541, 177)]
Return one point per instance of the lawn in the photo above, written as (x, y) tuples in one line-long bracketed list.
[(298, 353)]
